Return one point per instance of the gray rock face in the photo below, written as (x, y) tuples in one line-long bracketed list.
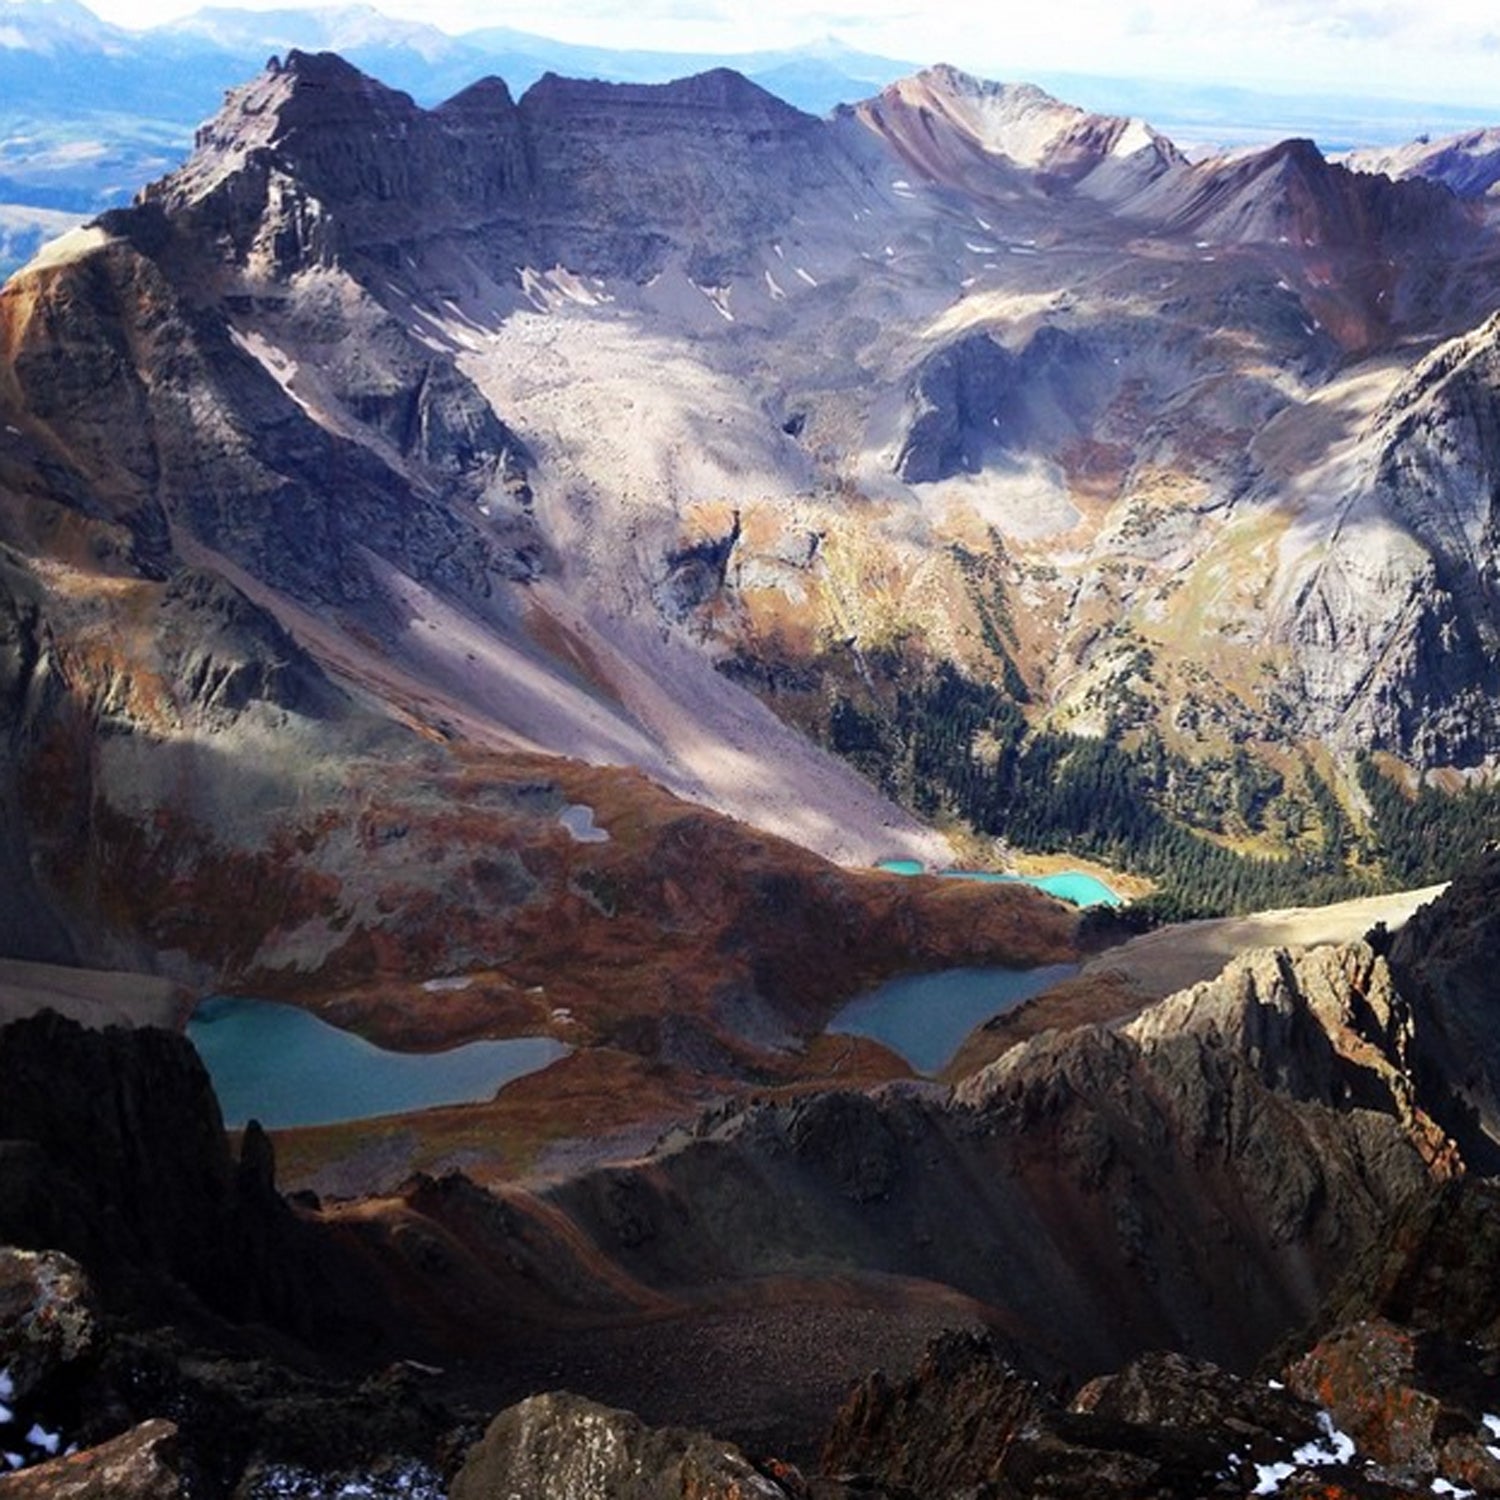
[(974, 401), (707, 166), (313, 160), (182, 426), (313, 163), (1397, 632), (956, 401), (562, 1447)]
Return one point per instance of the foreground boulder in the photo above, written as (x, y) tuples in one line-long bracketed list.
[(562, 1447), (138, 1465)]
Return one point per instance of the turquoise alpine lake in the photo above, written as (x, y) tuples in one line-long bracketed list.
[(925, 1017), (1067, 885), (284, 1067)]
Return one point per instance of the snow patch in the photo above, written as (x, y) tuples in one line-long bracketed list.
[(277, 363), (447, 986), (578, 819), (1441, 1486), (39, 1437), (777, 295), (981, 249), (549, 290), (1136, 136), (1269, 1477), (719, 297), (1334, 1447), (807, 276)]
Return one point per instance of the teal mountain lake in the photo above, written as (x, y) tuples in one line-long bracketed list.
[(285, 1067), (925, 1017), (1068, 885)]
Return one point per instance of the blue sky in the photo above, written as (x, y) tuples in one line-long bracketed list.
[(1441, 50)]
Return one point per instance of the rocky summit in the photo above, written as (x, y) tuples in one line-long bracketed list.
[(569, 564)]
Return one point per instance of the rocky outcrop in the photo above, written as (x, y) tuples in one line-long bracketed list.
[(918, 1434), (1291, 193), (963, 1423), (975, 399), (112, 1149), (1445, 959), (48, 1318), (141, 1464), (169, 419), (561, 1447)]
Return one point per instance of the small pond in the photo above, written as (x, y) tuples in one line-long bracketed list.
[(283, 1066), (925, 1017), (1068, 885)]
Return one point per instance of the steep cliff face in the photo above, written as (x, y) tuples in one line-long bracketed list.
[(161, 415), (1395, 629), (315, 164), (1445, 957), (113, 1151)]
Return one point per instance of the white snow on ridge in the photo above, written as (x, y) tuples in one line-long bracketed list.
[(1136, 136)]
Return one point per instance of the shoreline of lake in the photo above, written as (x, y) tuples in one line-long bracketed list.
[(287, 1067), (1076, 887)]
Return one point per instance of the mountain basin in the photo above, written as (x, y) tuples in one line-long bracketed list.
[(925, 1017), (1067, 885), (284, 1067)]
